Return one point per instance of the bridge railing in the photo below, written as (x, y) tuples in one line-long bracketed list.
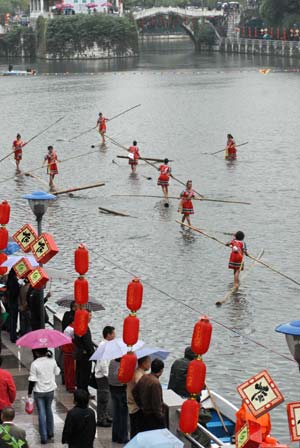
[(203, 12), (264, 42)]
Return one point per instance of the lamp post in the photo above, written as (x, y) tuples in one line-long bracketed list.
[(292, 335), (39, 202)]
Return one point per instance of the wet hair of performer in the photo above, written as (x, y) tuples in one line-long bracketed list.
[(236, 259)]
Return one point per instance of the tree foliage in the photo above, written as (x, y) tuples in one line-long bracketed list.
[(204, 34), (11, 44), (14, 7), (275, 12), (69, 34)]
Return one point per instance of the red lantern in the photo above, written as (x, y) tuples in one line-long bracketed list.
[(131, 330), (201, 336), (38, 277), (81, 291), (3, 258), (127, 367), (4, 212), (22, 268), (81, 322), (3, 238), (284, 34), (195, 377), (81, 260), (25, 237), (189, 416), (44, 248), (134, 295)]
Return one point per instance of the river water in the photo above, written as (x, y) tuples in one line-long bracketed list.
[(189, 104)]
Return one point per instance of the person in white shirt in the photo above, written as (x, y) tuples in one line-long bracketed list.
[(42, 382), (101, 374)]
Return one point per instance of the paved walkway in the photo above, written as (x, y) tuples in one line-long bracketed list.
[(17, 361)]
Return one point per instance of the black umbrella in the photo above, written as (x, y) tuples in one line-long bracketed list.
[(92, 305)]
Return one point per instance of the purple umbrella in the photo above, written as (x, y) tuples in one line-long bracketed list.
[(91, 5), (44, 338)]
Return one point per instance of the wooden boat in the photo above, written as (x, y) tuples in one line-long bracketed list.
[(18, 73)]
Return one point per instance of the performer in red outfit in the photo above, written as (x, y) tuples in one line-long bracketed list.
[(236, 260), (134, 155), (101, 123), (69, 361), (51, 160), (230, 150), (164, 177), (18, 144), (186, 204)]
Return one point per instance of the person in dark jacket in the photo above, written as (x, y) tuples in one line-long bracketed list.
[(34, 305), (11, 431), (68, 317), (178, 373), (80, 424), (83, 351), (13, 289)]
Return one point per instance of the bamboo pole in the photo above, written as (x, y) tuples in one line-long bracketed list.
[(221, 150), (216, 407), (94, 127), (85, 187), (113, 212), (34, 137), (196, 229), (177, 198), (151, 159)]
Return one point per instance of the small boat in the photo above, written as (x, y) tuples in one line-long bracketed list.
[(18, 73)]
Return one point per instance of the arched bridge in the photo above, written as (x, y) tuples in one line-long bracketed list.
[(182, 12)]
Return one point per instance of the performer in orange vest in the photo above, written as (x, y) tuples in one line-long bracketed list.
[(17, 146), (244, 414), (164, 177), (236, 260), (134, 155), (51, 160), (101, 123), (186, 204), (230, 150)]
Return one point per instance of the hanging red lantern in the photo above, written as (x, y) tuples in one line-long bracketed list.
[(81, 291), (134, 295), (127, 367), (3, 258), (4, 213), (81, 322), (195, 377), (81, 257), (3, 238), (189, 415), (201, 336), (131, 328)]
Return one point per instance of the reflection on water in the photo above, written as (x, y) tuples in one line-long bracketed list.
[(189, 103)]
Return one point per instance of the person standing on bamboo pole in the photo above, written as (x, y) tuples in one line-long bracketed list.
[(164, 178), (230, 150), (101, 124), (134, 156), (17, 148), (51, 160), (236, 260), (186, 204)]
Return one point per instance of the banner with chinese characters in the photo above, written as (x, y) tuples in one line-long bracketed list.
[(44, 248), (25, 236), (293, 412), (260, 393)]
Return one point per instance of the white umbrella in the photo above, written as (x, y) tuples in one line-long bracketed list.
[(113, 350), (52, 272), (154, 352)]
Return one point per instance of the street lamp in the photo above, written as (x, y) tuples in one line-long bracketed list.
[(292, 335), (39, 202)]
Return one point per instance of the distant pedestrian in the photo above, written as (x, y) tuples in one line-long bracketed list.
[(186, 204), (236, 260), (42, 382), (13, 290), (101, 375), (18, 145), (134, 156), (230, 150), (119, 401), (135, 413), (80, 424), (8, 389), (84, 349), (164, 177), (11, 431), (51, 160), (25, 325), (148, 396), (101, 124)]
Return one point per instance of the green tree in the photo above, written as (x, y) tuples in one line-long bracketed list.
[(14, 6), (275, 11)]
